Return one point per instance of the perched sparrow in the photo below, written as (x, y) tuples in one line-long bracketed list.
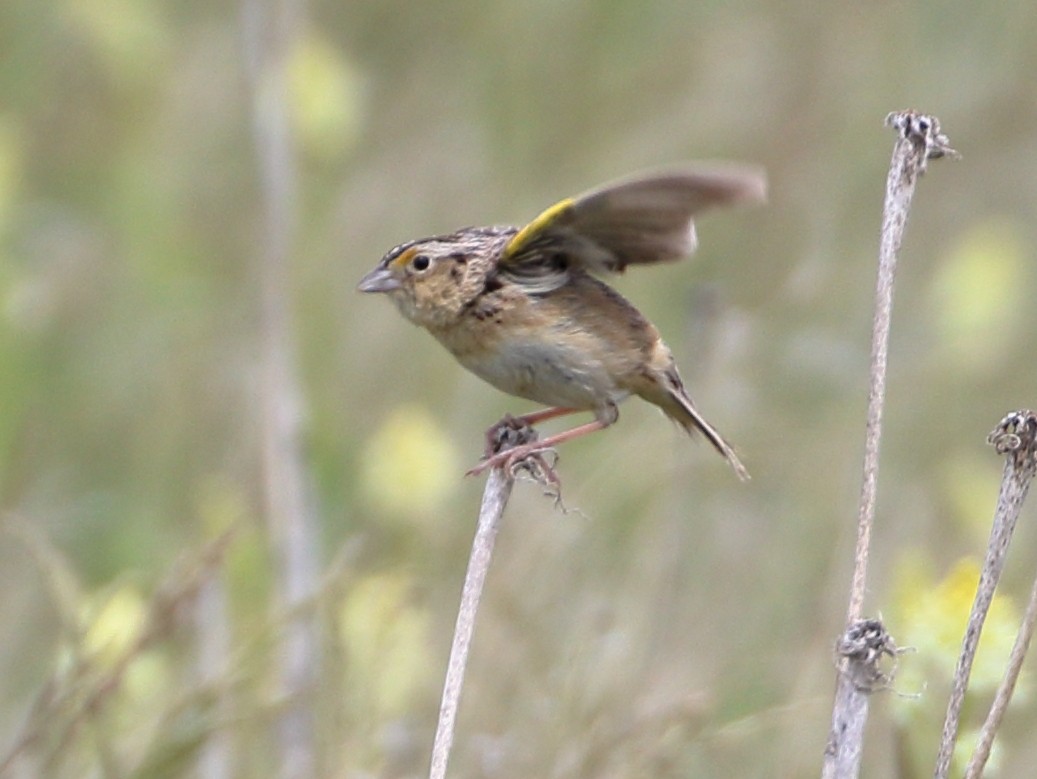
[(521, 309)]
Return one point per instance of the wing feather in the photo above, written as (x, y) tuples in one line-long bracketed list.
[(643, 219)]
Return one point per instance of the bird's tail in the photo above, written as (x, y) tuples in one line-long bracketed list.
[(683, 411)]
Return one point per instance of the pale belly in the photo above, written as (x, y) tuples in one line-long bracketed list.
[(546, 373)]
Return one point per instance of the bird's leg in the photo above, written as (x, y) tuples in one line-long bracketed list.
[(548, 413), (496, 435), (509, 457)]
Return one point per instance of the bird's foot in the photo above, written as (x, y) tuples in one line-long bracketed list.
[(514, 458), (513, 446), (509, 433)]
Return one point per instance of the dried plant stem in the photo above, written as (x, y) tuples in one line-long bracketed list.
[(495, 498), (213, 659), (1004, 692), (1015, 437), (918, 140), (66, 704), (271, 27), (509, 433)]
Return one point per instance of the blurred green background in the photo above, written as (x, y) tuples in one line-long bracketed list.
[(675, 622)]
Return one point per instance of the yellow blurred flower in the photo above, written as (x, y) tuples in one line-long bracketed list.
[(130, 37), (981, 292), (931, 618), (385, 638), (410, 465), (326, 93), (114, 624)]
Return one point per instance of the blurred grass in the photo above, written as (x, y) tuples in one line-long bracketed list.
[(679, 623)]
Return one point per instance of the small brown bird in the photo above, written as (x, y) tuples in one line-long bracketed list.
[(521, 309)]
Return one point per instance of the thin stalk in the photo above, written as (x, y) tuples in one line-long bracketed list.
[(1015, 437), (918, 140)]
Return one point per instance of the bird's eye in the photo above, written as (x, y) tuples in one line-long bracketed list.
[(420, 263)]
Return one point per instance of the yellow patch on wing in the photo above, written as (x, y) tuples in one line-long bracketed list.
[(552, 217), (404, 258)]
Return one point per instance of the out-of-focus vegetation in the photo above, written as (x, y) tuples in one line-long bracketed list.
[(679, 623)]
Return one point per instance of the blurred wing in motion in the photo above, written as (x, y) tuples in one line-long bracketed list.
[(639, 220)]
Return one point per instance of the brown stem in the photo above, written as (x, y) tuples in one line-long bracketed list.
[(1015, 437), (918, 140)]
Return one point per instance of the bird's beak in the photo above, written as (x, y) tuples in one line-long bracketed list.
[(379, 280)]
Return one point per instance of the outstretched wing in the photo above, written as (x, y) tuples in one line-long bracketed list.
[(637, 220)]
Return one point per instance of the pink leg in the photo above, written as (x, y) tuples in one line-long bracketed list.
[(547, 413), (509, 457)]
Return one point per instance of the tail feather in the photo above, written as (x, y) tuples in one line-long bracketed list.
[(661, 384), (684, 412)]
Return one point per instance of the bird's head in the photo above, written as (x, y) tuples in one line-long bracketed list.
[(431, 280)]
